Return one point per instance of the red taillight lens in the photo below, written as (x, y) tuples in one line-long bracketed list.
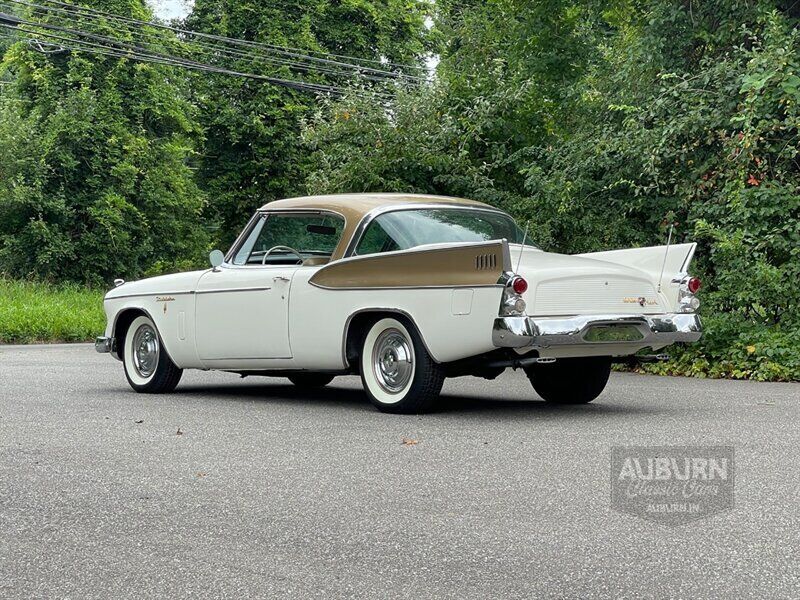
[(693, 284), (519, 285)]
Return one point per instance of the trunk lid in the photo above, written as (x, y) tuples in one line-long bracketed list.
[(563, 285)]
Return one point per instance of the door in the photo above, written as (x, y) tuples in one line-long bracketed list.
[(242, 307), (243, 313)]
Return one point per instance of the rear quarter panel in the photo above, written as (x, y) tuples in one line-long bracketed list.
[(454, 323), (451, 292)]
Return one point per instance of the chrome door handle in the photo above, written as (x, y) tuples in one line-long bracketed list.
[(279, 278)]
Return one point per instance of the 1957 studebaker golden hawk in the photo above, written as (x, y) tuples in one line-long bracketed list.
[(404, 290)]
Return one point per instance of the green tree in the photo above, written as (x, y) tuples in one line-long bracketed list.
[(603, 122), (253, 151), (95, 165)]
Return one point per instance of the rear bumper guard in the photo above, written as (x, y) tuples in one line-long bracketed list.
[(545, 332)]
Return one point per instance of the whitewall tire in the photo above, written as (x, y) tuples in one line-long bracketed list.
[(398, 374), (148, 367)]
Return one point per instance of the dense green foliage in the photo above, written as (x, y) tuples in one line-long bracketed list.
[(42, 312), (252, 151), (602, 122), (599, 122), (95, 177)]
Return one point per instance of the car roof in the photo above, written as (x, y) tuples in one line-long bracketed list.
[(361, 204), (354, 207)]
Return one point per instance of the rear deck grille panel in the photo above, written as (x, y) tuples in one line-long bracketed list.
[(594, 295)]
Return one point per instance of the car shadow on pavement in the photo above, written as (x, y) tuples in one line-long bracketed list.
[(467, 405), (449, 403), (278, 394)]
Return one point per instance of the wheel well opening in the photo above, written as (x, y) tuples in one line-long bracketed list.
[(358, 328), (124, 320)]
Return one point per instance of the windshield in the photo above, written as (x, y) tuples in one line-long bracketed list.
[(290, 238), (404, 229)]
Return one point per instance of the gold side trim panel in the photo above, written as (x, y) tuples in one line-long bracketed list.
[(473, 264)]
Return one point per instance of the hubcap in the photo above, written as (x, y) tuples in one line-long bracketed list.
[(145, 351), (392, 360)]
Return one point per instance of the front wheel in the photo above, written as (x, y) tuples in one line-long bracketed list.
[(570, 380), (398, 374), (148, 368)]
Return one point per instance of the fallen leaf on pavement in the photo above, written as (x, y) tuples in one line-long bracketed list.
[(179, 432), (139, 421), (409, 442)]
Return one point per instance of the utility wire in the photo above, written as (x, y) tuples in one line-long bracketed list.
[(162, 40), (261, 44), (94, 48), (218, 51), (123, 49), (215, 50), (75, 10)]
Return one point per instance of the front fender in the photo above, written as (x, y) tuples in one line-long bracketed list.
[(173, 315)]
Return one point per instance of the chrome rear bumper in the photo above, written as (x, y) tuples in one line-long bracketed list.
[(544, 332)]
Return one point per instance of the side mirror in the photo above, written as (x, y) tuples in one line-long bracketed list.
[(216, 257)]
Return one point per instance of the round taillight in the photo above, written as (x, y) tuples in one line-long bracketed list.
[(519, 285), (693, 284)]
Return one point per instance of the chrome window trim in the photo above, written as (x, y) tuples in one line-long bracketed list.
[(376, 212), (265, 214)]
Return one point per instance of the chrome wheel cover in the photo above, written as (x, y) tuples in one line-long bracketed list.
[(145, 351), (393, 360)]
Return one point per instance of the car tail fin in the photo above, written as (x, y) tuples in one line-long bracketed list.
[(673, 260)]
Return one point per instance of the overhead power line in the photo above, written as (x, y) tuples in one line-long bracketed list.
[(93, 48), (52, 26), (232, 47), (348, 59), (214, 51)]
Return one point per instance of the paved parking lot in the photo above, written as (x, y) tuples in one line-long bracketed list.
[(251, 488)]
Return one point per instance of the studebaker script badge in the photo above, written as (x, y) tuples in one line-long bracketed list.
[(641, 301), (165, 299)]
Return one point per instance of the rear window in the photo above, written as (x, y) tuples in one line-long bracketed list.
[(404, 229)]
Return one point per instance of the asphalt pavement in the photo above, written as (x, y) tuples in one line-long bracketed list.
[(250, 488)]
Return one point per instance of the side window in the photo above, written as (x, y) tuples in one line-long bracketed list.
[(375, 239), (404, 229), (311, 235)]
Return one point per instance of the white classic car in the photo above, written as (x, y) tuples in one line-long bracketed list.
[(404, 290)]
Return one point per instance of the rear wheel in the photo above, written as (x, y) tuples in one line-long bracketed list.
[(570, 380), (148, 368), (398, 374), (310, 381)]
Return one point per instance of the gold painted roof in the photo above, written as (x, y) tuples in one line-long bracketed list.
[(355, 206), (361, 204)]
